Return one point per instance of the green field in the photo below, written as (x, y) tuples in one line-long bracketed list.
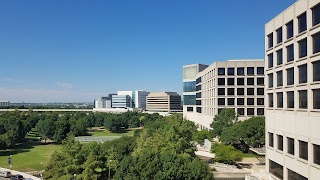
[(28, 157), (98, 131)]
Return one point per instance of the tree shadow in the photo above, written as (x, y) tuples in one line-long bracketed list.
[(21, 148)]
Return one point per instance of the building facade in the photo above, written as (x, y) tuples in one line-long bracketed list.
[(163, 102), (4, 103), (138, 98), (236, 84), (292, 61), (121, 101)]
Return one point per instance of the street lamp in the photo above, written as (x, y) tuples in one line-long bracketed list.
[(74, 176), (41, 170), (109, 168)]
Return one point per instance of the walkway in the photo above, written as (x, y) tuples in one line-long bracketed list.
[(17, 172)]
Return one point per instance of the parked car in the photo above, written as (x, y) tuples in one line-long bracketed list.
[(5, 174), (16, 177)]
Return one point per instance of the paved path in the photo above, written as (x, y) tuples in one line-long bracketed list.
[(17, 172)]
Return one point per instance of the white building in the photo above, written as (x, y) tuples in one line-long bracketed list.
[(163, 102), (236, 84), (138, 98), (4, 103), (292, 61)]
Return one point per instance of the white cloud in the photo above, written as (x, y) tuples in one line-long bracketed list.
[(47, 95), (64, 85)]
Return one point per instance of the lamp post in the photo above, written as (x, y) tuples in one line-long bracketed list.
[(109, 169), (74, 176), (41, 170)]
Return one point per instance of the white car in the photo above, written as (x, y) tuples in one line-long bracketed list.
[(5, 174)]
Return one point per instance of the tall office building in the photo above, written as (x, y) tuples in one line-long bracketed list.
[(292, 61), (138, 98), (121, 101), (4, 103), (163, 102), (236, 84)]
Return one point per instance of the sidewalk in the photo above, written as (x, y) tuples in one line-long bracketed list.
[(21, 173)]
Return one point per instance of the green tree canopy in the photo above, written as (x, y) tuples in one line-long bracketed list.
[(226, 118)]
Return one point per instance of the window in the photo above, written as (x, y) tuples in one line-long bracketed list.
[(260, 91), (270, 60), (260, 101), (270, 76), (250, 111), (240, 71), (302, 48), (230, 81), (302, 23), (316, 43), (230, 101), (316, 71), (290, 76), (230, 91), (250, 91), (290, 145), (241, 111), (303, 74), (280, 142), (279, 57), (290, 99), (240, 91), (260, 81), (276, 169), (270, 40), (189, 99), (303, 99), (316, 98), (260, 111), (260, 70), (250, 101), (279, 35), (230, 71), (221, 71), (280, 100), (189, 109), (250, 70), (289, 26), (198, 95), (270, 96), (240, 101), (198, 109), (189, 86), (303, 150), (279, 79), (219, 110), (221, 91), (290, 53), (316, 154), (240, 81), (198, 87), (198, 102), (316, 15), (250, 81), (221, 81), (198, 80), (221, 101), (270, 139), (295, 176)]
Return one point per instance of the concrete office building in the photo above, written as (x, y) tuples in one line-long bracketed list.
[(237, 84), (138, 98), (104, 102), (4, 103), (293, 92), (121, 101), (163, 102)]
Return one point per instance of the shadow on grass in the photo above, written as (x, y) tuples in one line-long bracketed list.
[(21, 148)]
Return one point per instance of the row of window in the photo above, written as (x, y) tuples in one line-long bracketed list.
[(277, 170), (302, 51), (240, 101), (240, 71), (302, 72), (302, 26), (240, 81), (303, 147), (250, 111), (240, 91), (302, 98)]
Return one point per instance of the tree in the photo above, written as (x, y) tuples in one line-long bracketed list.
[(226, 153), (251, 132), (46, 128), (226, 118), (200, 136)]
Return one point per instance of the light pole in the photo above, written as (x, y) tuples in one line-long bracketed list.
[(109, 169), (41, 170), (74, 176)]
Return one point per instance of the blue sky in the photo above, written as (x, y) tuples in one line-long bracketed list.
[(76, 50)]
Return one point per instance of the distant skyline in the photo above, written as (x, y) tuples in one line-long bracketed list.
[(78, 51)]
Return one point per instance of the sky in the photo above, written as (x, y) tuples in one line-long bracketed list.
[(80, 50)]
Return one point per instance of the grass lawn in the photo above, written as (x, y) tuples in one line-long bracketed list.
[(250, 155), (98, 131), (28, 157)]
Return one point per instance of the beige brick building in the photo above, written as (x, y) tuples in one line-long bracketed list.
[(163, 102)]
